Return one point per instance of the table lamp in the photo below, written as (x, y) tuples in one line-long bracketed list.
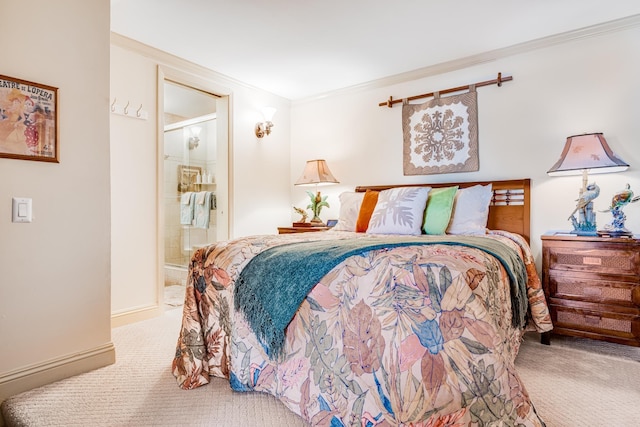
[(584, 154), (316, 172)]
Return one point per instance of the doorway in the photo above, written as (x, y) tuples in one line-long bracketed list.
[(193, 179)]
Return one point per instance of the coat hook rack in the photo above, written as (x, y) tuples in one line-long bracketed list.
[(125, 111)]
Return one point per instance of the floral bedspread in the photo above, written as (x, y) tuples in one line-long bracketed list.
[(413, 335)]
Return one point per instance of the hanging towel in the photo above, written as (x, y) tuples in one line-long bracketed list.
[(214, 202), (200, 196), (202, 209), (185, 199), (187, 204)]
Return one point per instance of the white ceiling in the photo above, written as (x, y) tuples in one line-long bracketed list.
[(303, 48)]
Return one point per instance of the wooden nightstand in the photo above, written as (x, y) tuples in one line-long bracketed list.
[(289, 230), (592, 286)]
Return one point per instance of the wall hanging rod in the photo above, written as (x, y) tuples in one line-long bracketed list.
[(497, 81)]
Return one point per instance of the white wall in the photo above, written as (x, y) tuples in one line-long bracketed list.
[(586, 85), (133, 183), (55, 271), (259, 190)]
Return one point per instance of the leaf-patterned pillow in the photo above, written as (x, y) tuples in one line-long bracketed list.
[(399, 211)]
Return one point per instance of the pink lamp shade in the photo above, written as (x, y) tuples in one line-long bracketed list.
[(589, 151), (584, 154)]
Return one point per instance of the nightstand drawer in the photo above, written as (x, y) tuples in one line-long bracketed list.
[(622, 326), (600, 260), (599, 290)]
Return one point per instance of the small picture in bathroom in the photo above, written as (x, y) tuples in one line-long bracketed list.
[(188, 178)]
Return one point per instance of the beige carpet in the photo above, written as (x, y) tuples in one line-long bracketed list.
[(572, 383), (173, 296)]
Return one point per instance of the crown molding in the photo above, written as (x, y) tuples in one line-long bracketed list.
[(167, 59), (617, 25)]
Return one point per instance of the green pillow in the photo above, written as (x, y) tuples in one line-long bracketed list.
[(439, 208)]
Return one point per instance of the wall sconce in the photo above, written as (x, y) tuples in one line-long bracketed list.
[(264, 128), (194, 139)]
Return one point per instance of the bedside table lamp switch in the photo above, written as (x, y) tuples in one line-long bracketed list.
[(21, 209)]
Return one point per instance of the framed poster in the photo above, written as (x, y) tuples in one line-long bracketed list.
[(28, 120), (188, 178)]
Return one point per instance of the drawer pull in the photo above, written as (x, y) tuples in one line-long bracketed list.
[(589, 260), (592, 291), (592, 320)]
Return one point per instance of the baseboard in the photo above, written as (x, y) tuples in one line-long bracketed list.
[(135, 315), (37, 375)]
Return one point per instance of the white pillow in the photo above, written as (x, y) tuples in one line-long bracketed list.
[(349, 208), (471, 210), (399, 211)]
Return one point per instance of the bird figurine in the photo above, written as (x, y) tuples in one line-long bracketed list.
[(621, 199), (586, 197), (301, 212)]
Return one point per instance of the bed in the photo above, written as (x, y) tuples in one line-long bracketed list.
[(377, 327)]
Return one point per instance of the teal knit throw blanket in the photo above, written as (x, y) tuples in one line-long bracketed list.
[(274, 283)]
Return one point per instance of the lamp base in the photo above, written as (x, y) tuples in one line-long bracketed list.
[(585, 224), (583, 228), (317, 222)]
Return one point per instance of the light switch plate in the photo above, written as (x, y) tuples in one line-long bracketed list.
[(21, 209)]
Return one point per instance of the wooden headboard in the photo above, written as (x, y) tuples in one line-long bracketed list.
[(510, 207)]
